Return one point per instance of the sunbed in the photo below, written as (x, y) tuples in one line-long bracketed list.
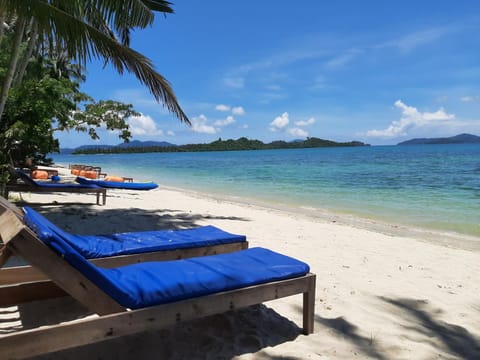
[(118, 184), (144, 296), (118, 249), (31, 185)]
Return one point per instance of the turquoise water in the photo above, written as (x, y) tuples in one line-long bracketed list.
[(427, 186)]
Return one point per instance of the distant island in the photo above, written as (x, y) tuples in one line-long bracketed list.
[(218, 145), (458, 139)]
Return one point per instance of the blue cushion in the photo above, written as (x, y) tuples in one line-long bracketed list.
[(28, 180), (118, 185), (153, 283), (97, 246)]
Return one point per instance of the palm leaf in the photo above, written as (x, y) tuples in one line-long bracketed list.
[(83, 41)]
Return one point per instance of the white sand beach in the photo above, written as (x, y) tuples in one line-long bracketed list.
[(380, 294)]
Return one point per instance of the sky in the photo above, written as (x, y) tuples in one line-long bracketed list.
[(374, 71)]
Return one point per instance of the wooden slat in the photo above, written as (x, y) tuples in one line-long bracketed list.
[(10, 225), (54, 338), (20, 274), (38, 189), (21, 293)]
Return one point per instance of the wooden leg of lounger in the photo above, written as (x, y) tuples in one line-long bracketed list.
[(309, 307)]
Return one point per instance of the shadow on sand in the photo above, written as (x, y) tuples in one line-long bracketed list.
[(78, 217)]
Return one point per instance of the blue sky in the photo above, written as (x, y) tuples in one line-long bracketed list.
[(375, 71)]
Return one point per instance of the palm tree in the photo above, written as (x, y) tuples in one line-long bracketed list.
[(88, 29)]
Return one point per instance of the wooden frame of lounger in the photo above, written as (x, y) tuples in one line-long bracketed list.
[(114, 320), (100, 192), (25, 276)]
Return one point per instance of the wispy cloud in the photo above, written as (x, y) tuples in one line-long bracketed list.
[(411, 119), (308, 122), (420, 38), (236, 77), (238, 110), (225, 122), (470, 99), (236, 82), (222, 107), (298, 132), (344, 58)]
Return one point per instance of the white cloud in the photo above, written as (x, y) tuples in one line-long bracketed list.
[(236, 82), (170, 133), (308, 122), (199, 125), (143, 125), (470, 99), (238, 110), (297, 132), (280, 122), (420, 38), (244, 126), (222, 107), (411, 119), (229, 120), (345, 58)]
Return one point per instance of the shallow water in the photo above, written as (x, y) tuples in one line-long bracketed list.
[(427, 186)]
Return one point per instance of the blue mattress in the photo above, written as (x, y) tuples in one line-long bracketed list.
[(28, 180), (153, 283), (117, 185), (97, 246)]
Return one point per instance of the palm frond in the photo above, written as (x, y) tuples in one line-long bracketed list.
[(83, 41)]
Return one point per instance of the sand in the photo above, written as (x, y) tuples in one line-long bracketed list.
[(380, 294)]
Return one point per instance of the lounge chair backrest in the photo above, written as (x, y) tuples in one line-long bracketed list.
[(44, 228), (69, 270), (97, 275), (26, 179)]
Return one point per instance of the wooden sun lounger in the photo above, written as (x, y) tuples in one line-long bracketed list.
[(115, 320), (101, 193), (30, 185), (27, 274)]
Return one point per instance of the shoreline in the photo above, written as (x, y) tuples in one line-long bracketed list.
[(378, 295), (381, 193), (436, 237)]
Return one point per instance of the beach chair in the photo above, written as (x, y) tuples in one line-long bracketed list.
[(30, 185), (144, 296), (113, 250)]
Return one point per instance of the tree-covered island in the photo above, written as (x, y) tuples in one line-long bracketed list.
[(219, 145)]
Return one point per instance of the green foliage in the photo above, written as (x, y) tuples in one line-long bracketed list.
[(223, 145), (49, 99), (100, 29)]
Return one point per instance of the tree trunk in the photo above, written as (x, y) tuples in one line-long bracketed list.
[(2, 28), (13, 65), (28, 53)]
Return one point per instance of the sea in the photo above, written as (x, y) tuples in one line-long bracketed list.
[(430, 187)]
